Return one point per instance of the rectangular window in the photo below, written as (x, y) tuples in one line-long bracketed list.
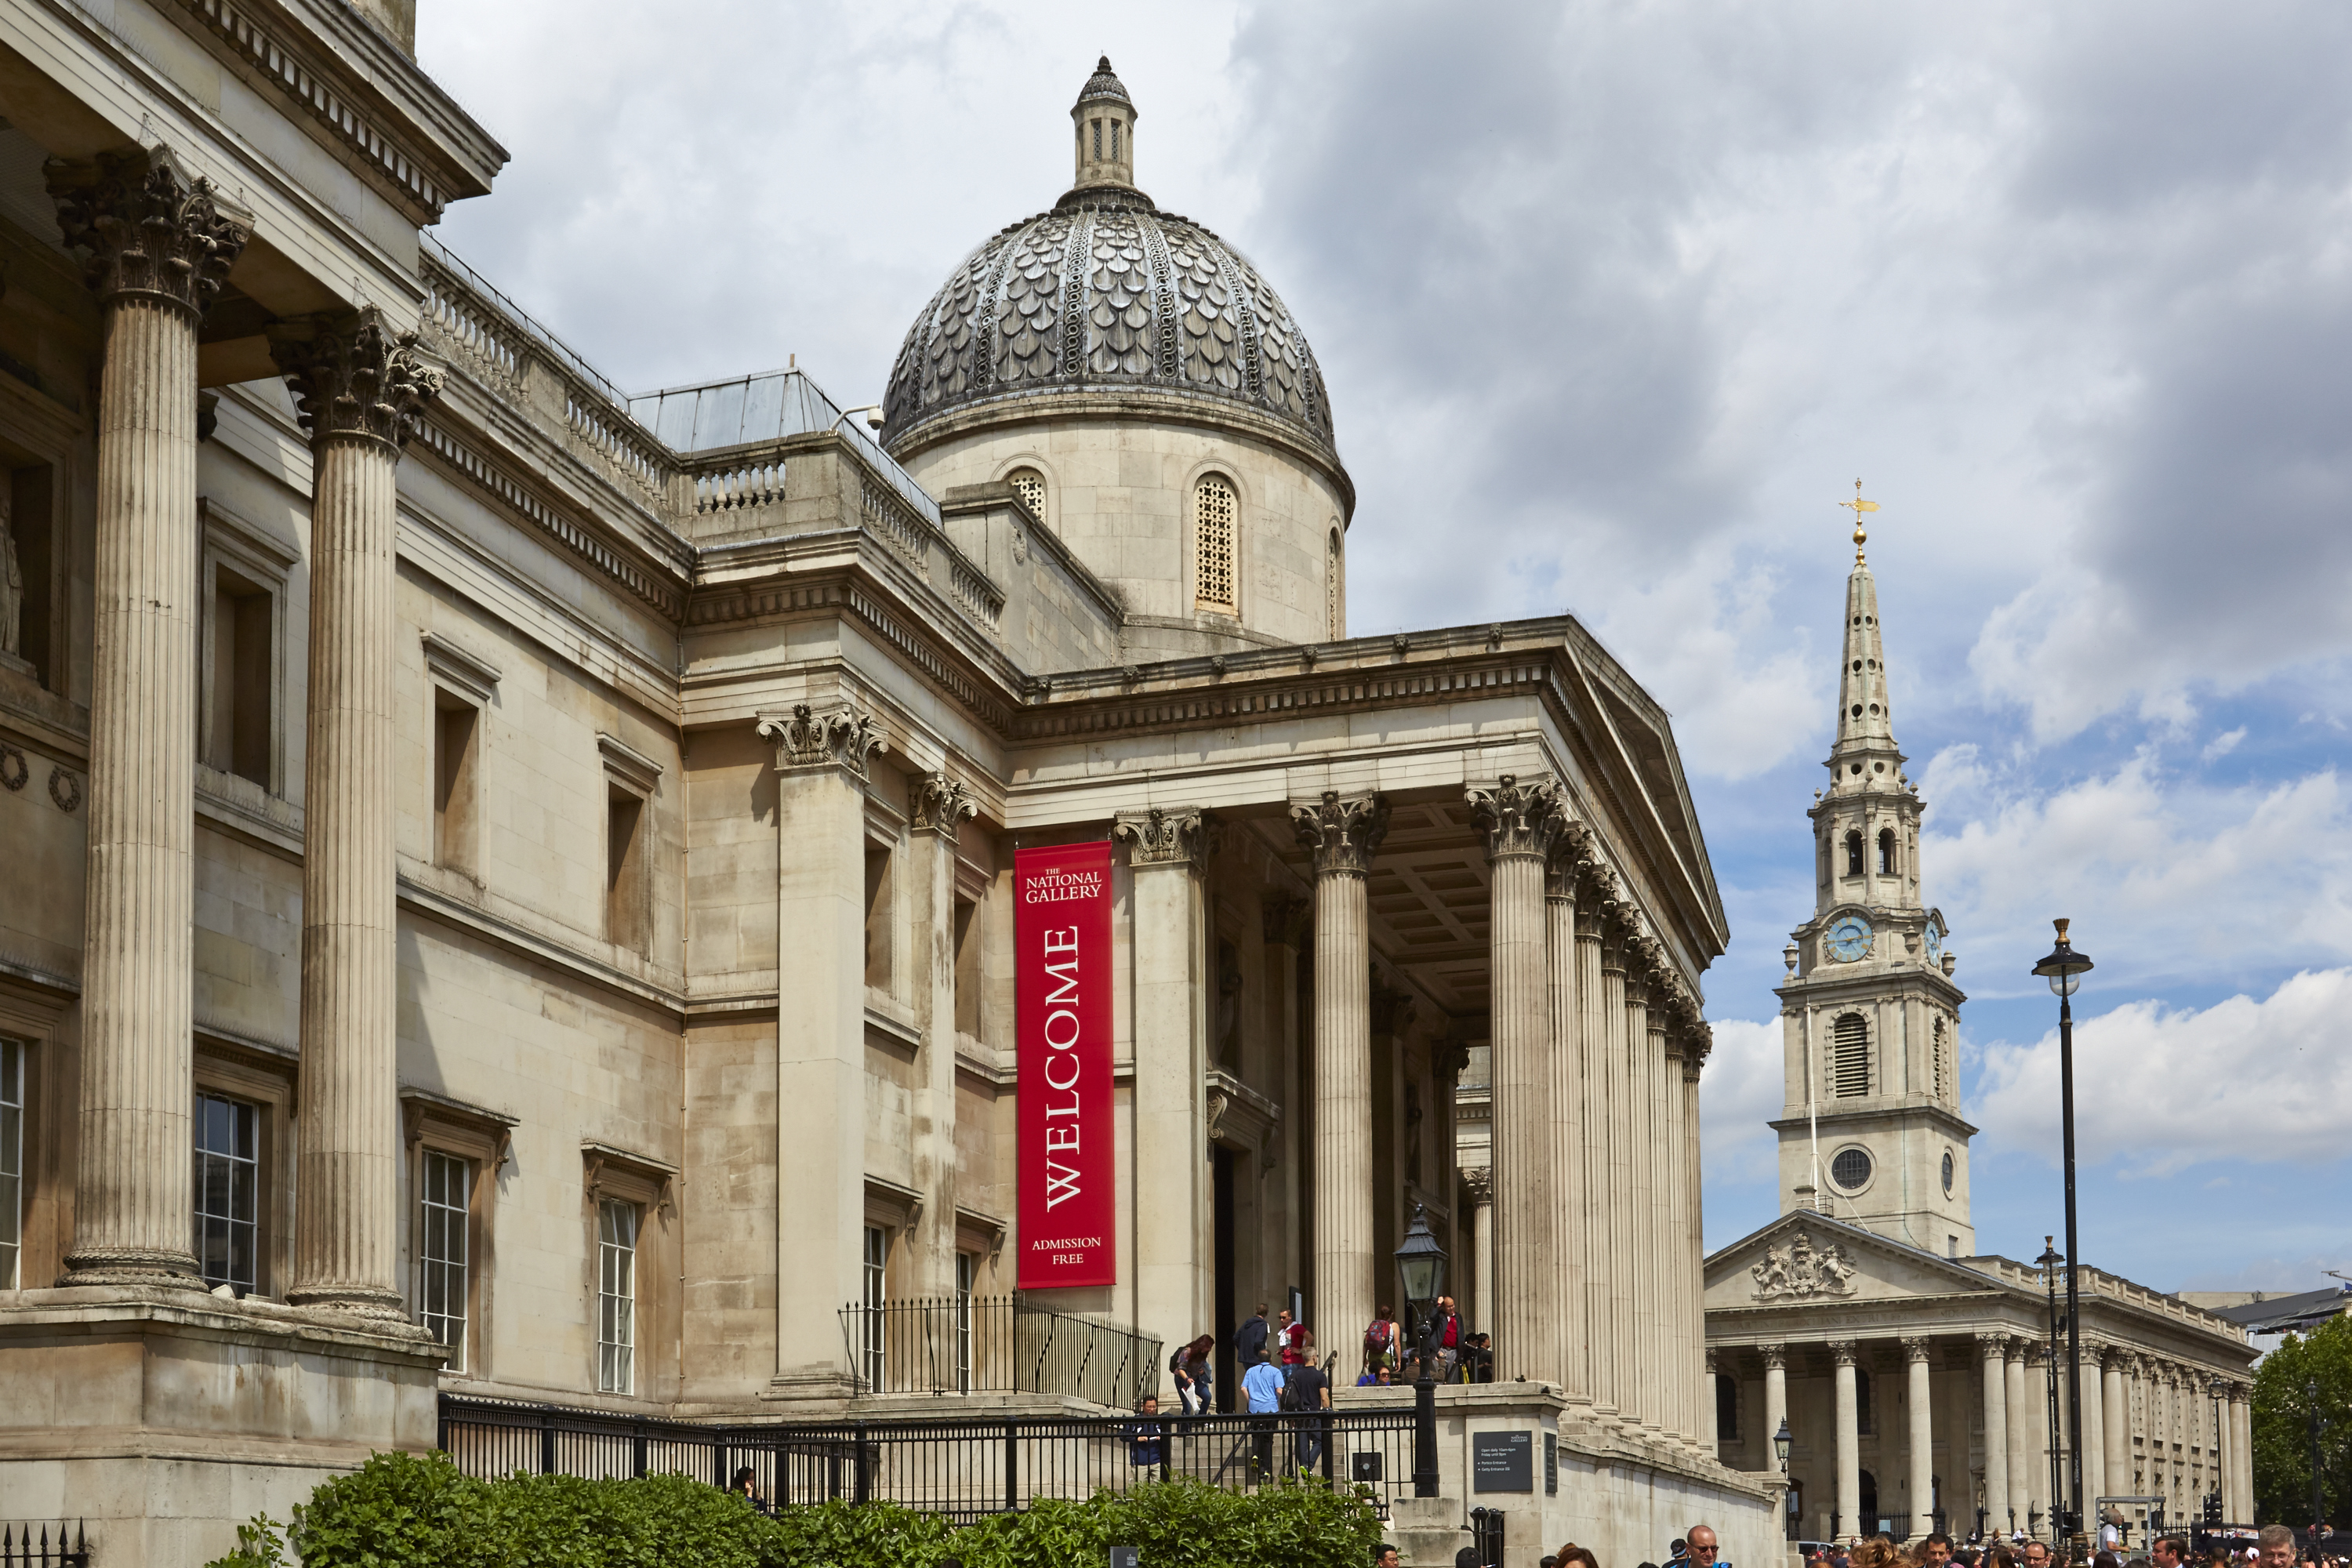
[(12, 1160), (229, 1192), (616, 1297), (875, 1297), (242, 618), (1114, 141), (967, 1275), (443, 1252), (456, 728), (877, 917), (1727, 1409), (1097, 141), (626, 914)]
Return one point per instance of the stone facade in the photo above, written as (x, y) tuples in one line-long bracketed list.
[(1912, 1368), (513, 881)]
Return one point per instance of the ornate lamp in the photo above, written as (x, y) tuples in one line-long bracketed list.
[(1421, 1271), (2065, 969), (1781, 1441)]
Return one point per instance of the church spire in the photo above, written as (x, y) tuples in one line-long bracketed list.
[(1863, 756)]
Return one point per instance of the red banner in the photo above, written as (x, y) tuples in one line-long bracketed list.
[(1062, 969)]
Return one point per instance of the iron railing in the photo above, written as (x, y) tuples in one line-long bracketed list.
[(966, 1467), (38, 1544), (995, 1344)]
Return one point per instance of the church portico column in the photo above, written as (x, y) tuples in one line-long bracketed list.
[(1174, 1217), (1342, 835), (1918, 1352), (360, 388), (1592, 1152), (1776, 1387), (2020, 1436), (1849, 1443), (821, 781), (1521, 822), (1638, 1117), (2242, 1451), (1616, 1135), (1993, 1350), (160, 245), (2107, 1430), (2040, 1440), (1479, 1185), (1570, 1220)]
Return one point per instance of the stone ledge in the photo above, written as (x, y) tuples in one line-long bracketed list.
[(91, 1311)]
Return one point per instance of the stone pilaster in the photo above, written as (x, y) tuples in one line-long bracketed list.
[(1521, 822), (361, 390), (1175, 1234), (1569, 1218), (821, 783), (1342, 834), (1918, 1352), (1992, 1349), (160, 243), (938, 805)]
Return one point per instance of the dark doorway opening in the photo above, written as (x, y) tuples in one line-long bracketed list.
[(1869, 1503), (1226, 1321)]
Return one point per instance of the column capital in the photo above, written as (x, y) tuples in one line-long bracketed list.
[(807, 739), (1918, 1347), (1842, 1351), (1776, 1356), (152, 230), (939, 805), (1285, 920), (1478, 1182), (1166, 835), (1343, 834), (1520, 820), (1993, 1347), (354, 377)]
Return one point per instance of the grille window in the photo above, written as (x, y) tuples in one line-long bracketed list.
[(1851, 1169), (1212, 520), (229, 1192), (1850, 1057), (1331, 588), (1030, 486), (616, 1296), (441, 1253)]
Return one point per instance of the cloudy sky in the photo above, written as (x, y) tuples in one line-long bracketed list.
[(1616, 301)]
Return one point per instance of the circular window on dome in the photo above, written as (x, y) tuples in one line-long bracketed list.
[(1950, 1169), (1851, 1170), (1030, 486)]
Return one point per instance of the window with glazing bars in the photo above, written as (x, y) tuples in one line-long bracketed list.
[(616, 1296), (229, 1192), (443, 1253), (967, 1272), (11, 1159), (1213, 512), (1850, 1056), (872, 1271)]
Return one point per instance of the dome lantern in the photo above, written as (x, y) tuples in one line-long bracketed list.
[(1105, 117)]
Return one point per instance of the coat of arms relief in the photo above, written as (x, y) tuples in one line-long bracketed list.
[(1803, 1270)]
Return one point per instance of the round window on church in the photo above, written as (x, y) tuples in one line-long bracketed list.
[(1851, 1170), (1947, 1172)]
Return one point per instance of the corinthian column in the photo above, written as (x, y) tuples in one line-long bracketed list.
[(159, 244), (1521, 821), (1342, 836), (361, 390), (1994, 1350), (1645, 1060), (1568, 1221), (1849, 1443), (1916, 1351), (1616, 1133)]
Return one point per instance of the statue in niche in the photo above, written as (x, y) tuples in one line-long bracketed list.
[(1803, 1270), (12, 578)]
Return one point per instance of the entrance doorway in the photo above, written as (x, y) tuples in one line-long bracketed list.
[(1869, 1525)]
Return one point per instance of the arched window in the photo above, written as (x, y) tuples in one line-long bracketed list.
[(1030, 486), (1850, 1056), (1887, 852), (1853, 854), (1213, 512), (1331, 627)]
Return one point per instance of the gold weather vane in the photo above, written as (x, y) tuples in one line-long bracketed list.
[(1858, 506)]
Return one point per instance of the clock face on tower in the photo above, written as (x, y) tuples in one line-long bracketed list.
[(1849, 938), (1935, 943)]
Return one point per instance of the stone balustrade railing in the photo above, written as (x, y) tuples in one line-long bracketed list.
[(740, 485)]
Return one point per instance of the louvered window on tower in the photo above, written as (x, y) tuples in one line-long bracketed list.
[(1212, 531), (1943, 1081), (1853, 854), (1030, 486), (1850, 1057)]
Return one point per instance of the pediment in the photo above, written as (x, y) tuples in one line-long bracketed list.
[(1811, 1261)]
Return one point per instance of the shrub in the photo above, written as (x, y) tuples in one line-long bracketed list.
[(400, 1510)]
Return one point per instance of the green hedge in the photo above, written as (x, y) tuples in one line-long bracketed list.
[(401, 1511)]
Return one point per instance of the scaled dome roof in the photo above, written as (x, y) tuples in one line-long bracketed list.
[(1107, 292)]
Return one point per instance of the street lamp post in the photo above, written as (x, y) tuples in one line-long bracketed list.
[(2050, 1261), (2214, 1471), (1421, 1271), (1781, 1440), (2065, 969)]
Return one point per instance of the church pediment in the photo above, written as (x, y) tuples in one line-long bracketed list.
[(1807, 1260)]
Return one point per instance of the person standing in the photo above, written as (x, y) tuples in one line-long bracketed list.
[(1380, 1341), (1309, 1390), (1294, 1336), (1449, 1340), (1249, 1341), (1262, 1386)]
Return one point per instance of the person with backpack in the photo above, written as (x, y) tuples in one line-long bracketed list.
[(1380, 1345), (1307, 1393)]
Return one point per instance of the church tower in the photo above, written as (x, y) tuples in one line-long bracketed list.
[(1872, 1131)]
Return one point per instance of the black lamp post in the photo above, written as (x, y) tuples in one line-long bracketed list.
[(2065, 969), (2311, 1401), (1421, 1271), (2221, 1457), (2050, 1261), (1780, 1442)]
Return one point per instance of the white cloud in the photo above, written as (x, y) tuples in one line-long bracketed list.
[(2220, 746), (1743, 1087), (2159, 1088)]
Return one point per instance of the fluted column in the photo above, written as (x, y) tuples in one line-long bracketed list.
[(1849, 1444), (1993, 1350), (2107, 1440), (1479, 1185), (1620, 1132), (1521, 822), (2020, 1436), (1644, 1119), (361, 388), (1565, 1055), (159, 244), (2242, 1451), (1916, 1353), (1776, 1390), (1342, 835), (1593, 1124), (1699, 1397), (2040, 1440)]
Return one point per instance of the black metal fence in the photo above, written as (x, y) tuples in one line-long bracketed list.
[(961, 1466), (995, 1344), (39, 1545)]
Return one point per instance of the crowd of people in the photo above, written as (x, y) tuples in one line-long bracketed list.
[(2274, 1546)]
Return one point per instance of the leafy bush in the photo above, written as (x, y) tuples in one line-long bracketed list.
[(399, 1511)]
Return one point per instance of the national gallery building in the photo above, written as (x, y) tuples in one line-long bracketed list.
[(515, 890), (1911, 1365)]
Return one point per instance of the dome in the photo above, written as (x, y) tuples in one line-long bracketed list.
[(1106, 292)]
